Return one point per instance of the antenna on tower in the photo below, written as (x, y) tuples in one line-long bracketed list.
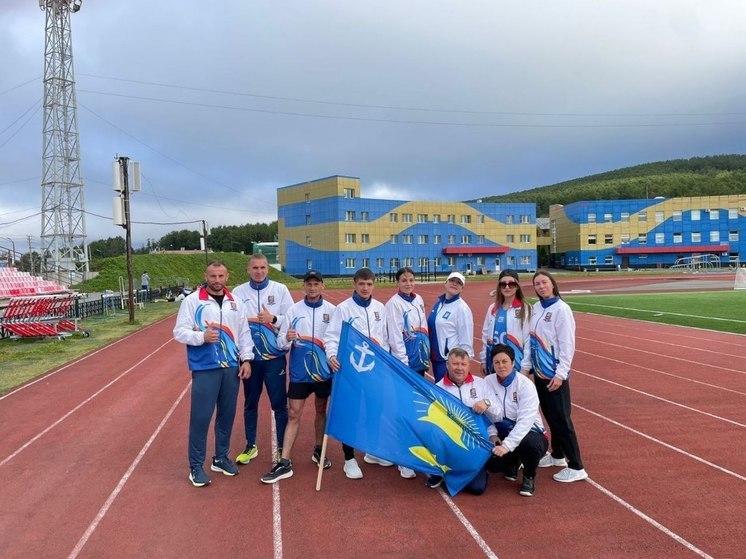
[(63, 234)]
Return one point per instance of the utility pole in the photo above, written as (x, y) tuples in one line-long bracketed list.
[(122, 217), (30, 254), (203, 240)]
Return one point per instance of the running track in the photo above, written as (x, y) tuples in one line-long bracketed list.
[(93, 458)]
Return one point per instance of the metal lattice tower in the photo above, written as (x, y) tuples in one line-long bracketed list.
[(63, 235)]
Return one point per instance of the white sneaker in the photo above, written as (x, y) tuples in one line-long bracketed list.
[(407, 473), (352, 470), (547, 461), (568, 475), (370, 459)]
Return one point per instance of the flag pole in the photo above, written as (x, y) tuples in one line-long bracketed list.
[(321, 462)]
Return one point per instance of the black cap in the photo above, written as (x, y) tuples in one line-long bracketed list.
[(512, 273), (313, 274)]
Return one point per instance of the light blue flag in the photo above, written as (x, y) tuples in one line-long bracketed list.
[(380, 406)]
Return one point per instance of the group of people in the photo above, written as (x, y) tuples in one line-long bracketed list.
[(256, 333)]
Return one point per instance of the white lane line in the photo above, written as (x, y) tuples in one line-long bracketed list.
[(717, 318), (72, 363), (276, 513), (469, 528), (688, 360), (118, 489), (650, 369), (691, 547), (736, 423), (660, 442), (80, 405)]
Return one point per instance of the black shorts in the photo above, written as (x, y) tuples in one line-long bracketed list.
[(302, 390)]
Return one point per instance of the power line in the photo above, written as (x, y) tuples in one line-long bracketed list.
[(400, 108), (37, 78), (13, 135), (19, 117), (400, 121)]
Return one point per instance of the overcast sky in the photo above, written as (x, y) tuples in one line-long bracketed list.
[(223, 102)]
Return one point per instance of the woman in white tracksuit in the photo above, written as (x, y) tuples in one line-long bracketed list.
[(550, 358)]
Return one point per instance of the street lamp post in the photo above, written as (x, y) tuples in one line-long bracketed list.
[(13, 253)]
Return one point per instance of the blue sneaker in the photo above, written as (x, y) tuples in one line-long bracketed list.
[(198, 477), (223, 465)]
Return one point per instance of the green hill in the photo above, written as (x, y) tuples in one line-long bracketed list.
[(716, 175), (169, 269)]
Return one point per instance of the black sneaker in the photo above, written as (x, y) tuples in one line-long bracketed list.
[(512, 473), (282, 470), (433, 481), (198, 477), (316, 457), (527, 487), (223, 465)]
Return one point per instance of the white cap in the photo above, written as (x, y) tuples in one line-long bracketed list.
[(458, 275)]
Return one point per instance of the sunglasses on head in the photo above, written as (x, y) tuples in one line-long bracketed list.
[(510, 284)]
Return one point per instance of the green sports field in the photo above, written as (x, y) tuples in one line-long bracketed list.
[(713, 310)]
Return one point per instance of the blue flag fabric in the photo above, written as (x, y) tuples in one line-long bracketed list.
[(380, 406)]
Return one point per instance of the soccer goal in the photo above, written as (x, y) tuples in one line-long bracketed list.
[(740, 282)]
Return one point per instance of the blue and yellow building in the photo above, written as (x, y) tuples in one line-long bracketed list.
[(327, 225), (648, 233)]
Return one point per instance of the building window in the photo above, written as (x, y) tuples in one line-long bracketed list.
[(406, 218), (714, 215), (609, 259), (451, 239), (659, 217), (309, 264), (732, 214), (407, 239), (480, 260), (308, 220), (421, 218), (625, 217), (366, 263), (660, 238), (393, 218), (307, 197), (714, 236), (608, 239), (642, 216), (592, 260), (642, 239), (451, 218), (677, 215), (349, 238), (733, 235), (364, 216), (525, 219), (525, 260), (591, 218), (395, 263), (625, 238), (451, 260), (677, 238), (591, 239), (349, 215), (436, 218), (436, 239), (349, 263), (480, 239), (696, 237), (379, 263), (509, 220), (480, 218), (436, 261), (465, 219), (409, 261), (607, 218), (510, 238), (308, 241), (423, 262), (525, 238), (465, 239), (510, 261), (393, 239), (696, 215), (364, 238), (349, 192), (422, 239)]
